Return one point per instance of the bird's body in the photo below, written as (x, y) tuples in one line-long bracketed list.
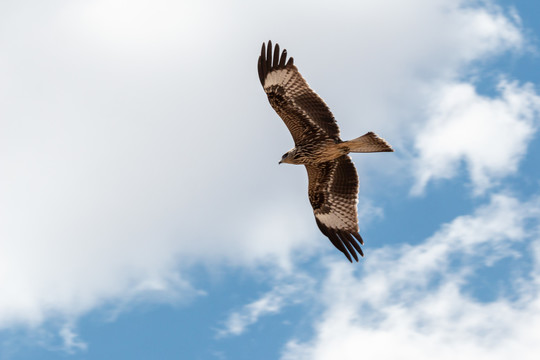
[(315, 152), (333, 182)]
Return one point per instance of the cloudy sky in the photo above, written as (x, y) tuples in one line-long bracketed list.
[(143, 214)]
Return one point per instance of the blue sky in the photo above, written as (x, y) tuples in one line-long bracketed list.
[(143, 214)]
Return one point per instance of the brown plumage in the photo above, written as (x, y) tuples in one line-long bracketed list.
[(333, 182)]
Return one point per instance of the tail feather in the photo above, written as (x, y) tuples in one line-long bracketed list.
[(367, 143)]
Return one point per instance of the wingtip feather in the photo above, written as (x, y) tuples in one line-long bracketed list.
[(290, 62), (283, 58), (358, 237), (260, 71), (269, 55), (262, 61), (276, 56)]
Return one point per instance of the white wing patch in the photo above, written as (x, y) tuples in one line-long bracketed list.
[(278, 77), (334, 221)]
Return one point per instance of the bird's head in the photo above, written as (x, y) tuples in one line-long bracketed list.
[(288, 157)]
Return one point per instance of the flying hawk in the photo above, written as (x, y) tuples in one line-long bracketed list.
[(333, 182)]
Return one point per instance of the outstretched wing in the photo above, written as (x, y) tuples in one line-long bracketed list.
[(302, 110), (333, 194)]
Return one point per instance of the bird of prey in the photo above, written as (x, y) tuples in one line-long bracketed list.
[(332, 178)]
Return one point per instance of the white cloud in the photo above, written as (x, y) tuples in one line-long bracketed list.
[(490, 135), (295, 289), (71, 340), (410, 302), (131, 152)]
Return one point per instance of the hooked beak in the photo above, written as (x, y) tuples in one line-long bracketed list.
[(280, 162)]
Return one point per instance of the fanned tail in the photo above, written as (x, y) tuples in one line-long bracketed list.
[(368, 143)]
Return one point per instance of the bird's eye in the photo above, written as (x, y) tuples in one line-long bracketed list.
[(284, 156)]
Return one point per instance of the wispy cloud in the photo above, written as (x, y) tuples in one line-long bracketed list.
[(295, 289), (71, 340)]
